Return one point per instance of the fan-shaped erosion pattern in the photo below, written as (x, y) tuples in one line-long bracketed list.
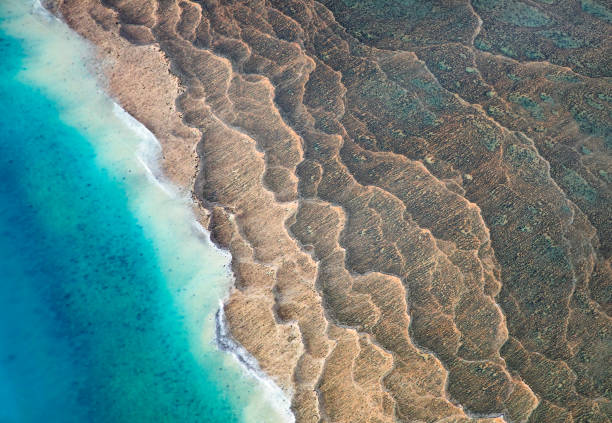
[(416, 194)]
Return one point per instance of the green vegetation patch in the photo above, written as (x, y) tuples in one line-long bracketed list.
[(605, 97), (521, 14), (577, 186), (391, 9), (500, 220), (488, 135), (519, 155), (490, 143), (590, 123), (562, 39), (591, 102), (425, 85), (598, 10), (554, 253), (481, 44), (485, 4), (562, 77), (443, 66), (435, 94), (545, 97), (495, 111), (528, 104), (534, 55), (508, 51)]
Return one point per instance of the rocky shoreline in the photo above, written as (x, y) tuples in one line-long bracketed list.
[(415, 235)]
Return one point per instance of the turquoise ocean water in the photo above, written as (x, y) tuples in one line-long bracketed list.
[(108, 287)]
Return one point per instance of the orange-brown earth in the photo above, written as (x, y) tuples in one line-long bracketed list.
[(416, 194)]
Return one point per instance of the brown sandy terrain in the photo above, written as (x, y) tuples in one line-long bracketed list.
[(420, 229)]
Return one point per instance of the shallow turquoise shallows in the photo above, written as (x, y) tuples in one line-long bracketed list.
[(108, 287)]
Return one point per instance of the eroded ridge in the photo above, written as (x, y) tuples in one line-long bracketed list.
[(419, 223)]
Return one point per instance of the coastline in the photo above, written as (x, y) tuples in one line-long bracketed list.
[(149, 156), (116, 63), (354, 199), (225, 343), (140, 97), (292, 346)]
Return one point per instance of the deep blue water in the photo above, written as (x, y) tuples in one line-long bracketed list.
[(89, 331)]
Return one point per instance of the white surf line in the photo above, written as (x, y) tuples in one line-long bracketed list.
[(149, 151), (148, 156), (226, 343)]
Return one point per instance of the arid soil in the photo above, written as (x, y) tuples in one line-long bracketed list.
[(416, 194)]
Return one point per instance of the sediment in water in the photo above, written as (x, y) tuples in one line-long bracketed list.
[(189, 275)]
